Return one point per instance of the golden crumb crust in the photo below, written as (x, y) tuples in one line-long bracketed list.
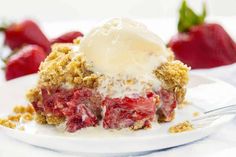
[(34, 95), (40, 118), (48, 119), (174, 77), (64, 66), (173, 73), (54, 120), (162, 118)]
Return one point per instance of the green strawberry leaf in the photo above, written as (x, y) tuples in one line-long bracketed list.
[(188, 18)]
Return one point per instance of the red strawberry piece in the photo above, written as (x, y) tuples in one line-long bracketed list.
[(80, 107), (125, 112), (25, 32), (62, 102), (67, 37), (83, 118), (168, 105), (204, 46), (199, 44), (25, 61)]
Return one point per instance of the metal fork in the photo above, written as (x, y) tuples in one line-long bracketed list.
[(212, 115)]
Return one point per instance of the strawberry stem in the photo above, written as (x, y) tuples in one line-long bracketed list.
[(188, 18), (4, 25), (2, 29)]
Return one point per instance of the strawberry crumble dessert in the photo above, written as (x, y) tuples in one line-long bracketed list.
[(119, 75)]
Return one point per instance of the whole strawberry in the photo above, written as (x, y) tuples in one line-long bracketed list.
[(25, 61), (199, 44), (23, 33), (67, 37)]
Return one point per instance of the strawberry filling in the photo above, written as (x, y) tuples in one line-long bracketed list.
[(81, 119), (82, 107), (126, 112), (168, 101)]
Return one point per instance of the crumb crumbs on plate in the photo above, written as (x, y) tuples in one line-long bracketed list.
[(14, 118), (27, 117), (22, 128), (7, 123), (20, 114), (23, 109), (183, 104), (181, 127), (195, 114)]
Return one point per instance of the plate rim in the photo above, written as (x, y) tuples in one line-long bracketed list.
[(120, 139)]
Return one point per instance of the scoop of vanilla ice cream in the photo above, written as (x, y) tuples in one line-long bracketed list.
[(122, 46)]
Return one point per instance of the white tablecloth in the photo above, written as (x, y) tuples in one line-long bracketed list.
[(222, 143)]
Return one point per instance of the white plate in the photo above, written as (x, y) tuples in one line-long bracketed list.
[(203, 94)]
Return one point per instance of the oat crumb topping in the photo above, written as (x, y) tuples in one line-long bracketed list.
[(63, 65), (174, 76)]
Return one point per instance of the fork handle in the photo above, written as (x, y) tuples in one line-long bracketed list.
[(208, 116), (225, 108)]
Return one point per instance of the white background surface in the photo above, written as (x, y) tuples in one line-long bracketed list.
[(54, 10), (222, 143)]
